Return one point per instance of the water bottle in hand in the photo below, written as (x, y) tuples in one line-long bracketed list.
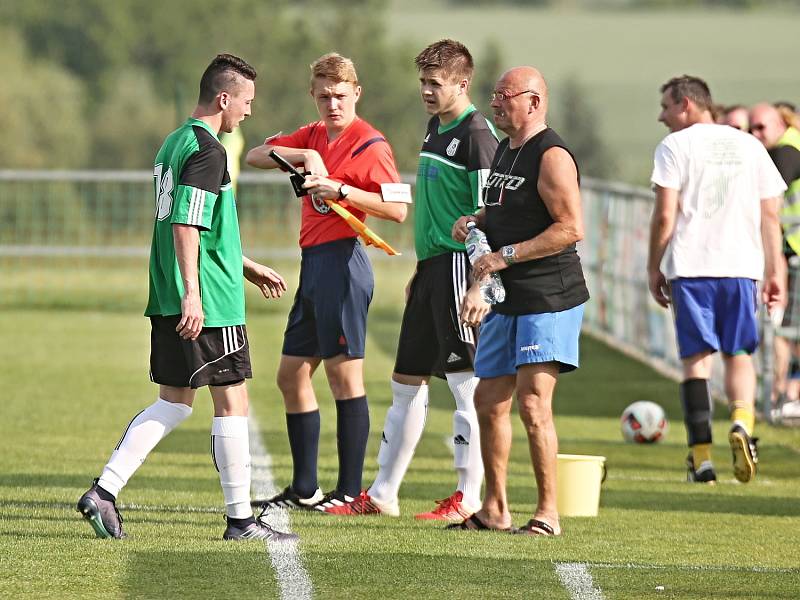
[(477, 245)]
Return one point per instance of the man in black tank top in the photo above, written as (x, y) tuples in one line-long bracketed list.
[(532, 218)]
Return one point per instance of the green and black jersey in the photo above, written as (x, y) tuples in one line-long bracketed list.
[(192, 187), (453, 165)]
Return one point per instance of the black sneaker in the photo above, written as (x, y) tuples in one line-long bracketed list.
[(288, 498), (257, 530), (745, 453), (704, 474), (102, 514), (332, 499)]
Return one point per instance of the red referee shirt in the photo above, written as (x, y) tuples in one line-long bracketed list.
[(360, 157)]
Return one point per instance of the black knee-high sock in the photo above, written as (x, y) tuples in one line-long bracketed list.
[(303, 431), (352, 433)]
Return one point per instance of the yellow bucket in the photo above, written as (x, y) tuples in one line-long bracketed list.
[(579, 479)]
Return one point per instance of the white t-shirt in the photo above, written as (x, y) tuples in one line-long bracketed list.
[(722, 174)]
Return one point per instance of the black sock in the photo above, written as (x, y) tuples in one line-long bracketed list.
[(352, 433), (105, 495), (241, 523), (303, 431)]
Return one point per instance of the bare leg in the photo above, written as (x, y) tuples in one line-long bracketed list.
[(535, 386), (493, 405), (294, 381), (230, 400), (345, 376), (740, 381)]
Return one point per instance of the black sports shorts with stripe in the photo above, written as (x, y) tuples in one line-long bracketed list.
[(219, 355), (433, 340)]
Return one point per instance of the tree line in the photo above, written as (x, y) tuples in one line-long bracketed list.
[(98, 84)]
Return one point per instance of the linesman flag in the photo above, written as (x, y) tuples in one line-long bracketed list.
[(365, 233)]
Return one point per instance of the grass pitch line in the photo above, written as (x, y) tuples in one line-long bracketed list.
[(578, 581), (293, 579), (716, 568)]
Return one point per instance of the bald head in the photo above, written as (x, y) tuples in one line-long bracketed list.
[(526, 78), (520, 101), (766, 124)]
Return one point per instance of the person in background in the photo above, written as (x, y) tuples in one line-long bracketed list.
[(736, 116), (777, 129), (714, 234)]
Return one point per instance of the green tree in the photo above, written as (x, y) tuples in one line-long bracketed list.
[(43, 125), (131, 123), (579, 125), (488, 68), (115, 47)]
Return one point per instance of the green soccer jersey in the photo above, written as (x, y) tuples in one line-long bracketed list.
[(453, 165), (192, 187)]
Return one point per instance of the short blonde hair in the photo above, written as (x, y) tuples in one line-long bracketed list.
[(335, 67), (789, 117)]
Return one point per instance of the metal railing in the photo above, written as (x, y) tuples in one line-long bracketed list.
[(52, 223)]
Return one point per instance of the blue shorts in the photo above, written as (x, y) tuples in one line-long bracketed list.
[(329, 314), (506, 342), (715, 313)]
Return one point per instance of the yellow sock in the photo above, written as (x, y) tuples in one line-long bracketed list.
[(745, 417), (700, 454)]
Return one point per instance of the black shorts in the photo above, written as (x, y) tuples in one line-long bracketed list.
[(219, 355), (433, 340), (329, 314)]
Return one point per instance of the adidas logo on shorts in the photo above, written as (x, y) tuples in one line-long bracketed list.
[(460, 440), (453, 358)]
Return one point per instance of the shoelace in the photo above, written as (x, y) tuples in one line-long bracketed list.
[(262, 523), (446, 505)]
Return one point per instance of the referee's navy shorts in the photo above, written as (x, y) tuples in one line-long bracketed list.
[(329, 314)]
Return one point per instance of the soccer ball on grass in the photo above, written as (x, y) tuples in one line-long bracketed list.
[(643, 422)]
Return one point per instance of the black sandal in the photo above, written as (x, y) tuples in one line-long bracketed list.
[(473, 523), (537, 527)]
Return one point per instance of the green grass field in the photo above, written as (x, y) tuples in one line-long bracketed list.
[(74, 377), (622, 57)]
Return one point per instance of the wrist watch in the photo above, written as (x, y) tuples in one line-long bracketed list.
[(509, 254), (344, 190)]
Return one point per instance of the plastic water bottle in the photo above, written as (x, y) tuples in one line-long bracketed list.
[(477, 245)]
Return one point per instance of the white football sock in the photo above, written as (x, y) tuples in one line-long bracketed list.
[(466, 437), (402, 430), (230, 449), (146, 429)]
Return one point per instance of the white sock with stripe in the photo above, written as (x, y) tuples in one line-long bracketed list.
[(146, 429), (230, 449), (402, 429), (466, 437)]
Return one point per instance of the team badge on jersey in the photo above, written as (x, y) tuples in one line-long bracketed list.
[(452, 147), (320, 206)]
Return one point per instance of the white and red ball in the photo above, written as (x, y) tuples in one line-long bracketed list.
[(643, 422)]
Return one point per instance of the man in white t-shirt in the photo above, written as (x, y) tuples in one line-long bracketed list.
[(715, 232)]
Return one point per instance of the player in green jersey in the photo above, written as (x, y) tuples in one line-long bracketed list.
[(196, 307), (435, 338)]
